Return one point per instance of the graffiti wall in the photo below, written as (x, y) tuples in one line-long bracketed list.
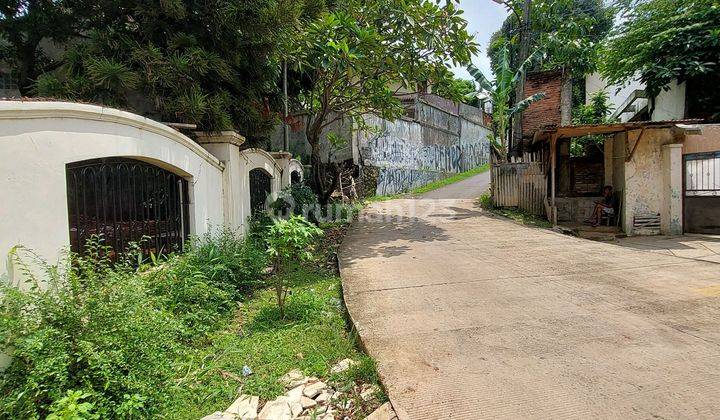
[(412, 153)]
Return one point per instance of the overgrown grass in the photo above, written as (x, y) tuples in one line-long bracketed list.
[(514, 214), (433, 185), (108, 340), (312, 337)]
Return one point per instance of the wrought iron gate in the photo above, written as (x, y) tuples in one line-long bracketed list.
[(259, 190), (126, 200), (701, 199)]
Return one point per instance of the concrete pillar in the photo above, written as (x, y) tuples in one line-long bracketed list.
[(608, 156), (671, 211), (283, 160), (225, 146)]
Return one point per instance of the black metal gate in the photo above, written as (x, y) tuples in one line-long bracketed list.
[(701, 199), (259, 190), (126, 200)]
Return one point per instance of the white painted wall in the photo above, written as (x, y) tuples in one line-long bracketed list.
[(252, 159), (37, 140), (616, 94), (669, 104)]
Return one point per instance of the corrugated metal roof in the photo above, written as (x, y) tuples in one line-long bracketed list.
[(606, 128)]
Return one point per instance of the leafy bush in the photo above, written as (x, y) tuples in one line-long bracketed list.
[(486, 201), (201, 286), (92, 339), (289, 241), (300, 199), (91, 329), (228, 261)]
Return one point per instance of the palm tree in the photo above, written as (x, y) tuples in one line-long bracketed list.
[(499, 92)]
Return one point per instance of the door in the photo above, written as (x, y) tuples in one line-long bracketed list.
[(702, 192)]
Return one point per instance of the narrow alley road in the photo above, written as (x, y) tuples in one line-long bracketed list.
[(473, 316)]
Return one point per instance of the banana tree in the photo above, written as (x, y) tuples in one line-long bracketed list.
[(499, 92)]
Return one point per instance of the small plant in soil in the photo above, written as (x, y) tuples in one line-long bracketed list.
[(288, 242)]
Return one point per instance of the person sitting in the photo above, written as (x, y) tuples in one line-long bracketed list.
[(606, 206)]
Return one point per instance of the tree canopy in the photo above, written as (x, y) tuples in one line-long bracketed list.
[(215, 63), (660, 41), (354, 58), (569, 33)]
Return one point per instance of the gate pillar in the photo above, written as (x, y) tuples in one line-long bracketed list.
[(225, 146), (671, 222)]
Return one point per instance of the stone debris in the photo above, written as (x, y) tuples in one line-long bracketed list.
[(245, 407), (307, 398), (218, 415), (277, 409), (384, 412), (296, 394), (324, 397), (293, 379), (296, 408), (368, 391), (313, 389), (343, 365), (307, 402)]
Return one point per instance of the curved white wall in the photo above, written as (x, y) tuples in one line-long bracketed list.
[(37, 140), (256, 159), (296, 166)]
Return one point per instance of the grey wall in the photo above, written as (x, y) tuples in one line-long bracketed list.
[(412, 153), (397, 156)]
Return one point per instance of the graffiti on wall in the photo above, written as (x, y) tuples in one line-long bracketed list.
[(392, 153), (408, 154), (393, 180)]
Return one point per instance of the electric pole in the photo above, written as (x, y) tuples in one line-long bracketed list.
[(523, 53), (286, 131)]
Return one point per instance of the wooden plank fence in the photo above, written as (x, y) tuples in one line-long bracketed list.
[(521, 185)]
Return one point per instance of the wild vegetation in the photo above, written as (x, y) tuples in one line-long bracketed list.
[(501, 91), (528, 219), (596, 111), (569, 32), (214, 63), (175, 336)]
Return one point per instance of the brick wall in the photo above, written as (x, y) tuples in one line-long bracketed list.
[(546, 111)]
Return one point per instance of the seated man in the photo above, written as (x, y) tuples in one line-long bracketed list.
[(606, 206)]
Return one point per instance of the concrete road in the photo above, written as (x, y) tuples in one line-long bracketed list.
[(472, 316), (466, 189)]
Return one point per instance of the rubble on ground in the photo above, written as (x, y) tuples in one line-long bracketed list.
[(307, 398)]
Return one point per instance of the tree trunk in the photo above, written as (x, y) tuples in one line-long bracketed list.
[(325, 175)]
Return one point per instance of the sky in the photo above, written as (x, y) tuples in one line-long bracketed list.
[(484, 17)]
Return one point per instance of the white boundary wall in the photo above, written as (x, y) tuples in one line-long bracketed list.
[(38, 140)]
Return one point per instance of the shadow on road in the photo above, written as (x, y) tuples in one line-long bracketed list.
[(373, 237)]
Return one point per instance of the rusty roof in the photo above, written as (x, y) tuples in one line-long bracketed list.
[(567, 131)]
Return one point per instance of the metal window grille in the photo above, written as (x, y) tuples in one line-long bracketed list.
[(126, 200), (702, 174), (259, 190)]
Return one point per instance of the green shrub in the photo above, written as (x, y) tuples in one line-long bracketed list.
[(486, 201), (289, 241), (227, 261), (90, 333), (300, 199), (202, 286)]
